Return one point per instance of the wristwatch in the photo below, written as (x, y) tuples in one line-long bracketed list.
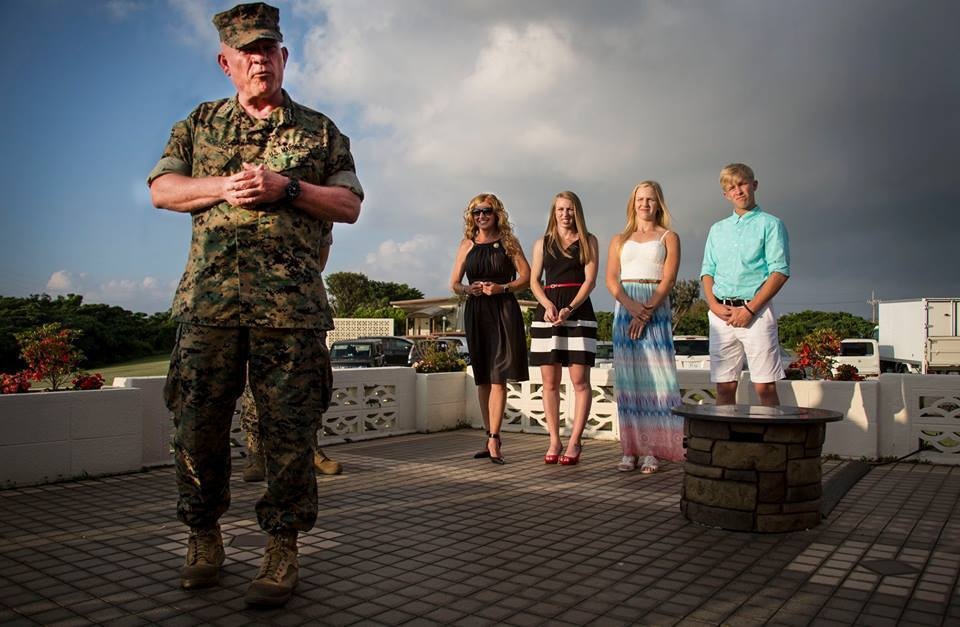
[(293, 189), (506, 288)]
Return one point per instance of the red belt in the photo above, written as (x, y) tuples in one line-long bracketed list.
[(554, 286)]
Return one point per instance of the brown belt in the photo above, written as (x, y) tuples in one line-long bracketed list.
[(640, 280), (554, 286)]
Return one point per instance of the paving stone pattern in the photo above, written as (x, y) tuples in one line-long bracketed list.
[(417, 532)]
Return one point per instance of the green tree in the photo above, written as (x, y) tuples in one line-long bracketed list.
[(348, 290), (795, 326), (383, 292), (108, 334), (694, 321), (351, 291), (369, 311), (685, 293), (604, 326)]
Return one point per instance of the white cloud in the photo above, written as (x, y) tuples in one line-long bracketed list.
[(121, 9), (147, 294), (196, 28), (422, 262), (60, 282)]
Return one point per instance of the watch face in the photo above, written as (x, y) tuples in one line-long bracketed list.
[(293, 189)]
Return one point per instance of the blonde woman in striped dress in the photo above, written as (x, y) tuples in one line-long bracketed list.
[(641, 270), (564, 329)]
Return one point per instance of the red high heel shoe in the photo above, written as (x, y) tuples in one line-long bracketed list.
[(552, 459), (572, 460)]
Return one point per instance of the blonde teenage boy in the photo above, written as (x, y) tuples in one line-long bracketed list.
[(745, 263)]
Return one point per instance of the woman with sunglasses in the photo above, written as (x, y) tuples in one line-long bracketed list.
[(491, 258), (564, 329)]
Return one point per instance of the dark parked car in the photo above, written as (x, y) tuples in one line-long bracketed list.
[(359, 353), (397, 351)]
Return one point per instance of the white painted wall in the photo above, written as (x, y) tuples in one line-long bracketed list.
[(48, 436)]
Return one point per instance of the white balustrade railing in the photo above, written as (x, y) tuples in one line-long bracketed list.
[(893, 415), (524, 410)]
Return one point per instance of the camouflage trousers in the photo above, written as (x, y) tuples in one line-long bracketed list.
[(290, 376)]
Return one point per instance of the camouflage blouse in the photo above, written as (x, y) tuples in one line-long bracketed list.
[(257, 267)]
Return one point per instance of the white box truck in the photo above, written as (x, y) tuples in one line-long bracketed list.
[(920, 335), (862, 353)]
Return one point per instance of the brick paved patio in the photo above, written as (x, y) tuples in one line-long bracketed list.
[(417, 532)]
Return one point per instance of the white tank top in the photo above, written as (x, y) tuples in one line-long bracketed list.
[(643, 260)]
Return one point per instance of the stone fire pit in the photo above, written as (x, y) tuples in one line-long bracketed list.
[(753, 468)]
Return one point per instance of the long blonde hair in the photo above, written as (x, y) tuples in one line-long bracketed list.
[(663, 213), (551, 237), (470, 229)]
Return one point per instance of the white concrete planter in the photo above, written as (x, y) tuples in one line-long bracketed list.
[(157, 420), (46, 436), (857, 435), (441, 400)]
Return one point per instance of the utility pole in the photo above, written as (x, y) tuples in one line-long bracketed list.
[(873, 302)]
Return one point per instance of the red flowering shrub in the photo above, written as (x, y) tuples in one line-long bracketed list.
[(84, 381), (14, 383), (847, 372), (49, 353), (815, 353)]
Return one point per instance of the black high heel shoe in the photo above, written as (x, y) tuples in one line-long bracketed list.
[(484, 453), (494, 458)]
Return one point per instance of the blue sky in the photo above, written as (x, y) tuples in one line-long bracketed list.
[(849, 114)]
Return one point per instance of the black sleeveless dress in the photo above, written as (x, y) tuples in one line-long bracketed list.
[(574, 341), (494, 324)]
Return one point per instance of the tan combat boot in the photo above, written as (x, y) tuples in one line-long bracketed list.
[(254, 470), (325, 465), (204, 558), (278, 574)]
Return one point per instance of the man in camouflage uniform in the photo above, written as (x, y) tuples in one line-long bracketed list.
[(263, 178)]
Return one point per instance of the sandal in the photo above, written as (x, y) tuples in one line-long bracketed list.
[(649, 465), (628, 463)]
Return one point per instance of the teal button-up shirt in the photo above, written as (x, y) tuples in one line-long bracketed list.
[(742, 251)]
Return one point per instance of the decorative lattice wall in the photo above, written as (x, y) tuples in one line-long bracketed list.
[(350, 328)]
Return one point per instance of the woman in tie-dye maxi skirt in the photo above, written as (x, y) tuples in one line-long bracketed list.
[(641, 270)]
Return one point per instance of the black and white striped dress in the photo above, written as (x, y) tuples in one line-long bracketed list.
[(575, 341)]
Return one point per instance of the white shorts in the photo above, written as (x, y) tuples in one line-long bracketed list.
[(758, 342)]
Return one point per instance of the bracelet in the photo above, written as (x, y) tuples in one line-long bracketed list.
[(748, 309)]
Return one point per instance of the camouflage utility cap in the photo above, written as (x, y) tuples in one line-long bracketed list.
[(245, 23)]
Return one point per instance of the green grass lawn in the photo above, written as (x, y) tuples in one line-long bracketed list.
[(143, 367)]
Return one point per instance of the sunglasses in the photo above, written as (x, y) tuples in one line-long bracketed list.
[(481, 211)]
